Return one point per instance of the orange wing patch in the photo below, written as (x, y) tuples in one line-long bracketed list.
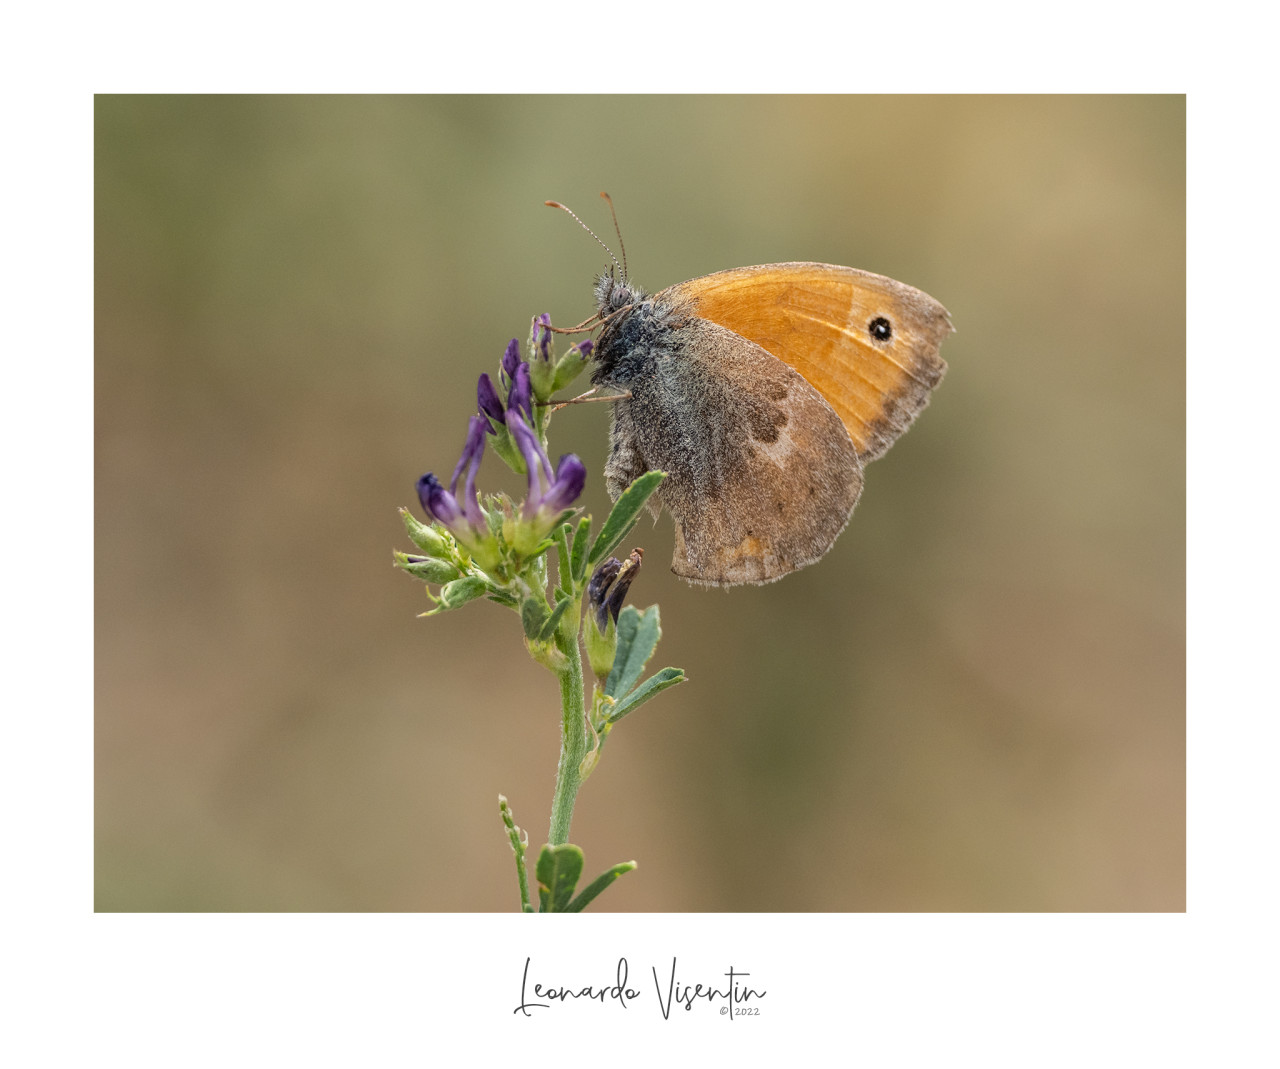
[(829, 323)]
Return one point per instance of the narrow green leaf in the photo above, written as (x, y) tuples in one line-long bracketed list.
[(533, 614), (559, 868), (553, 621), (460, 591), (562, 552), (637, 637), (581, 540), (655, 684), (625, 511), (597, 885)]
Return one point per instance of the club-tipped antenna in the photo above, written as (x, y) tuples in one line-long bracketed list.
[(557, 204), (617, 230)]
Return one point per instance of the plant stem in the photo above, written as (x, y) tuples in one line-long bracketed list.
[(517, 848), (573, 740)]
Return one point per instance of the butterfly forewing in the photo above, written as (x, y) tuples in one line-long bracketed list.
[(868, 344)]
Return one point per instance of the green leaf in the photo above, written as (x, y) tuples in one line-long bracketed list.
[(637, 637), (562, 552), (460, 591), (559, 868), (553, 621), (533, 614), (624, 514), (581, 540), (597, 885), (656, 683)]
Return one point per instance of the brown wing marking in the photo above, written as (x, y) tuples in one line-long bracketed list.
[(762, 475)]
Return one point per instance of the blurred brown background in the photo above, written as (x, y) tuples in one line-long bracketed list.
[(974, 702)]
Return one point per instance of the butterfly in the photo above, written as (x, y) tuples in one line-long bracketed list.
[(762, 392)]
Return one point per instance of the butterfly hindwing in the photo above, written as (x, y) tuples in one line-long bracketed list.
[(762, 475)]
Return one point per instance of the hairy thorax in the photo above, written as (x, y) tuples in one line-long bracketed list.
[(639, 331)]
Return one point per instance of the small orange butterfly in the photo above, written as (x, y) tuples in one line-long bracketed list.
[(761, 392)]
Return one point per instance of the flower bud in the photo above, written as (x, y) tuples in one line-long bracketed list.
[(572, 364), (428, 569), (511, 361), (542, 371), (427, 539)]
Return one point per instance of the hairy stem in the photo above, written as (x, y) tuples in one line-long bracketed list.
[(573, 740)]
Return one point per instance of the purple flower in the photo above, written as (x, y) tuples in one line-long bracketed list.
[(542, 335), (462, 517), (511, 360), (585, 347), (489, 402), (521, 397), (549, 494), (571, 477)]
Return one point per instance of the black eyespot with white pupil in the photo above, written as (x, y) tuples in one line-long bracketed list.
[(880, 328)]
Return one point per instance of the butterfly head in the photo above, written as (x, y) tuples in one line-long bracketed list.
[(614, 293)]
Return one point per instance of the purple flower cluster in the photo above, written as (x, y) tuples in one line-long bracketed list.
[(550, 491)]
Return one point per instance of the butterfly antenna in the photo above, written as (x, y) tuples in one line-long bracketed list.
[(557, 204), (617, 230)]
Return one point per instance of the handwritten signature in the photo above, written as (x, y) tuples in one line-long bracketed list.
[(734, 998)]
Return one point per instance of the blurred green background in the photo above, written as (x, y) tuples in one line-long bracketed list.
[(974, 702)]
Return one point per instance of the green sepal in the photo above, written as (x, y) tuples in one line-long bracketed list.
[(533, 614), (637, 637), (496, 509), (568, 368), (602, 648), (655, 684), (542, 377), (553, 621), (460, 591), (503, 598), (559, 869), (581, 541), (431, 570), (427, 539), (597, 885), (625, 512)]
